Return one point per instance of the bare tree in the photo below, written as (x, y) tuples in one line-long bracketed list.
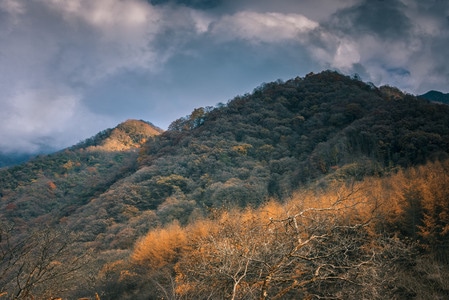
[(299, 251), (37, 264)]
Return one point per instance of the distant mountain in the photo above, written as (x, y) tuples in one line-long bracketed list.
[(127, 135), (11, 159), (436, 96), (112, 188), (55, 185)]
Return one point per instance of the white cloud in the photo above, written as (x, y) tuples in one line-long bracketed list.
[(263, 27), (79, 41), (53, 49), (347, 55), (53, 115), (113, 34), (201, 21), (32, 110), (332, 50), (13, 7), (107, 15)]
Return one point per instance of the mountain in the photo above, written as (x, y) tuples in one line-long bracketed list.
[(305, 134), (11, 159), (54, 185), (436, 96), (127, 135)]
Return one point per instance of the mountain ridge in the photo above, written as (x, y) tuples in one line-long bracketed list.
[(436, 96), (73, 173), (297, 132), (283, 137), (126, 135), (123, 136)]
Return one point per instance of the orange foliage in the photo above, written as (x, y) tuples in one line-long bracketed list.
[(209, 252), (434, 189), (160, 247), (51, 185)]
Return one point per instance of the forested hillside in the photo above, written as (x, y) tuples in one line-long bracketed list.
[(436, 96), (314, 187), (10, 159)]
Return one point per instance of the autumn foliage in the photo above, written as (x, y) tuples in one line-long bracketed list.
[(160, 247), (316, 187), (346, 240)]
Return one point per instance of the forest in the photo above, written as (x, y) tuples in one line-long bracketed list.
[(322, 187)]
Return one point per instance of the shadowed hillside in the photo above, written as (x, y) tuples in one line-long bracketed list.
[(436, 96), (11, 159)]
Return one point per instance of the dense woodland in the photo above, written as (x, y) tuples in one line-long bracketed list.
[(10, 159), (436, 96), (317, 187)]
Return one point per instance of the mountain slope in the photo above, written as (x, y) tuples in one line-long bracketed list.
[(436, 96), (54, 185), (269, 143), (127, 135), (282, 137), (305, 132), (11, 159)]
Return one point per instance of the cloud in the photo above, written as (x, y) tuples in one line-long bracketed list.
[(198, 4), (384, 19), (83, 41), (382, 37), (53, 51), (113, 34), (43, 119), (12, 7), (262, 27)]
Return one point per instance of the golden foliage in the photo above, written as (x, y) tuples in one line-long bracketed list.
[(279, 248), (160, 247), (242, 148)]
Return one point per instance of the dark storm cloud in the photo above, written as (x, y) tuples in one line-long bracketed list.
[(385, 19), (385, 36), (432, 19)]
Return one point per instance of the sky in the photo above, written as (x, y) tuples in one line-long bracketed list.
[(71, 68)]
